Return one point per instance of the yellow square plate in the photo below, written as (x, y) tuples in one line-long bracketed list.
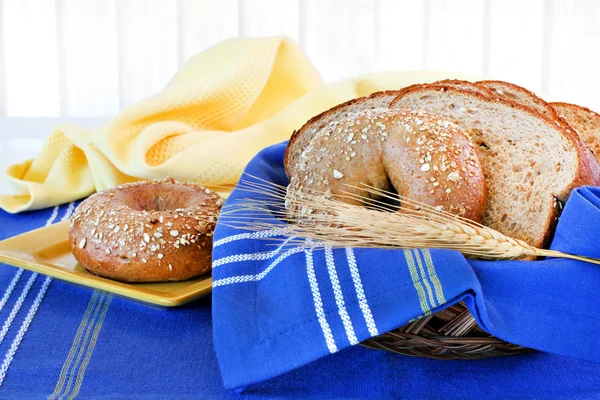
[(47, 251)]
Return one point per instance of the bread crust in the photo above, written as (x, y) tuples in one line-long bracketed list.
[(575, 107), (522, 91), (453, 83), (123, 234)]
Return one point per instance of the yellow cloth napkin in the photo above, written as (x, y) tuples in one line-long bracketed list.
[(215, 114)]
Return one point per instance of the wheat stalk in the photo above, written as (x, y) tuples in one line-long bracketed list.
[(378, 224)]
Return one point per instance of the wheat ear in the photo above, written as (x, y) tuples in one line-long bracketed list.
[(379, 224)]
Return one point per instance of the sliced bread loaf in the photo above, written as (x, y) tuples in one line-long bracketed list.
[(529, 160), (585, 121)]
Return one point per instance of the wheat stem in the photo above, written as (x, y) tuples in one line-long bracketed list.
[(335, 223), (559, 254)]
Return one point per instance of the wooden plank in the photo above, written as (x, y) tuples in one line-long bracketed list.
[(516, 41), (30, 57), (147, 41), (340, 40), (399, 38), (454, 35), (269, 17), (88, 54), (203, 23), (573, 52)]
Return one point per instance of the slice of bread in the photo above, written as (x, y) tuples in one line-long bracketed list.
[(585, 122), (529, 160), (303, 136), (520, 95)]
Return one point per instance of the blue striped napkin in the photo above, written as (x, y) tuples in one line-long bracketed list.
[(278, 308)]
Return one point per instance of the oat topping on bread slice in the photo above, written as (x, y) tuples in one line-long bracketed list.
[(428, 160), (302, 137)]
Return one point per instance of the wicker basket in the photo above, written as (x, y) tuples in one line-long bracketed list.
[(449, 334)]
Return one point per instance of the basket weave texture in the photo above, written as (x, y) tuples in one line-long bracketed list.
[(449, 334)]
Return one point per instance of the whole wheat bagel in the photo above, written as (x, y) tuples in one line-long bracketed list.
[(146, 231), (416, 153)]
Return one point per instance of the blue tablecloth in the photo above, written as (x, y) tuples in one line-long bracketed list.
[(59, 340)]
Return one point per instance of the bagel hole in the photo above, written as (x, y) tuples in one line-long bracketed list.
[(158, 203), (160, 198)]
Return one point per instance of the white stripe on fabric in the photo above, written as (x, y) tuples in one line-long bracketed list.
[(75, 344), (416, 282), (425, 279), (69, 211), (8, 357), (25, 290), (71, 369), (249, 235), (90, 351), (439, 292), (81, 349), (86, 351), (256, 277), (17, 306), (360, 293), (10, 288), (17, 341), (314, 287), (249, 256), (52, 216), (339, 296)]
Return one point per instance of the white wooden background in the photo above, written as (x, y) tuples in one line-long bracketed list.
[(94, 57), (91, 58)]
